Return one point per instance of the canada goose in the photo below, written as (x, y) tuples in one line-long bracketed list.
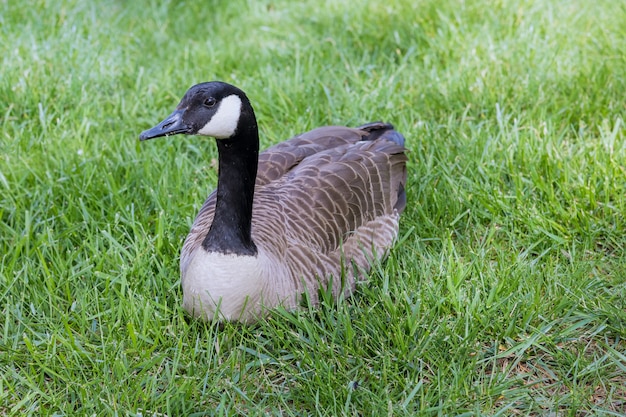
[(313, 211)]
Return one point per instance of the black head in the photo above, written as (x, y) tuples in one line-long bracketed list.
[(208, 109)]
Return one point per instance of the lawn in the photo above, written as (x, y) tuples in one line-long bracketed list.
[(505, 294)]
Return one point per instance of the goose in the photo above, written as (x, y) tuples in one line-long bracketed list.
[(312, 213)]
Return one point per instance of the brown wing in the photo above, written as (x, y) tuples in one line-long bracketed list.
[(338, 204), (281, 158), (333, 192)]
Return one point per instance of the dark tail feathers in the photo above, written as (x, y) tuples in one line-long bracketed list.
[(377, 130)]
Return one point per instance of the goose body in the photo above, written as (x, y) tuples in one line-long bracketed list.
[(311, 212)]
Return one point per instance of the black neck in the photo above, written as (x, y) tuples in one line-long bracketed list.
[(230, 232)]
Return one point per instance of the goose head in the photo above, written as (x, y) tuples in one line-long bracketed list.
[(224, 112), (214, 109)]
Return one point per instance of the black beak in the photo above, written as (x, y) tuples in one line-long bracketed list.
[(172, 125)]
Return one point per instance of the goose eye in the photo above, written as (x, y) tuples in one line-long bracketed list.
[(210, 102)]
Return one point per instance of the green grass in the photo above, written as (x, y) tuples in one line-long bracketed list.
[(506, 295)]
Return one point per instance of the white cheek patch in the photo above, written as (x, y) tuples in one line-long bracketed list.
[(224, 122)]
